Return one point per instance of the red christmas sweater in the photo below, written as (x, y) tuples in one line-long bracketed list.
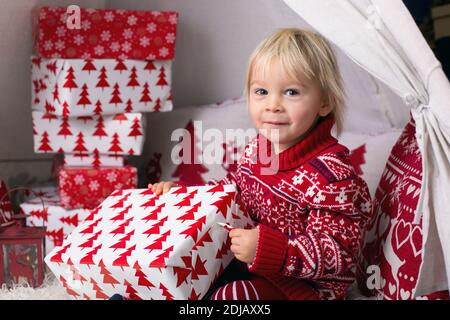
[(310, 213)]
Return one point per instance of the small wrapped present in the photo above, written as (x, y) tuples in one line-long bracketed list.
[(77, 87), (94, 160), (87, 187), (60, 222), (106, 34), (143, 246), (85, 160), (118, 135)]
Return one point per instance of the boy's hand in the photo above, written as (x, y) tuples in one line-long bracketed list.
[(161, 187), (243, 244)]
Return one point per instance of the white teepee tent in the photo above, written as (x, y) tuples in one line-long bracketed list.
[(382, 38)]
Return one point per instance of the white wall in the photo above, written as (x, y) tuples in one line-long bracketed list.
[(19, 165), (214, 40)]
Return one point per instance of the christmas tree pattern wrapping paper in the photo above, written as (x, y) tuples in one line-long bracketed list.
[(150, 247), (104, 34), (77, 87), (121, 134), (93, 160), (60, 222), (86, 187)]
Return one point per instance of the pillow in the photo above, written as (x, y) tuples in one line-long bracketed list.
[(393, 242), (369, 153), (213, 128)]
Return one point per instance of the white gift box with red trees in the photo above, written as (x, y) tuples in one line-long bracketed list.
[(121, 134), (151, 247), (93, 160), (60, 222), (77, 87)]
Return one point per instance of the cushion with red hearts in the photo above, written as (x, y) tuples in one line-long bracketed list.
[(392, 241)]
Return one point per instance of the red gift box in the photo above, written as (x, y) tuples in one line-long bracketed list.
[(95, 160), (85, 187), (103, 34)]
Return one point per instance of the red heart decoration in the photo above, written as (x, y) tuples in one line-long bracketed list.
[(402, 232), (416, 240)]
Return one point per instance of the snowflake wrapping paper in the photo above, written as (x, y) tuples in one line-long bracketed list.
[(150, 247), (60, 222), (77, 87), (105, 34), (87, 187), (93, 160), (121, 134)]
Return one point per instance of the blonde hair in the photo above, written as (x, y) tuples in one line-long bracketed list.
[(300, 51)]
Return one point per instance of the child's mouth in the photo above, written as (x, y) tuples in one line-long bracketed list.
[(275, 123)]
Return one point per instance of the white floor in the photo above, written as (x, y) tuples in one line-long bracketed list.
[(53, 290), (50, 290)]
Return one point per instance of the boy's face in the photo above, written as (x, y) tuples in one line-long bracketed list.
[(283, 105)]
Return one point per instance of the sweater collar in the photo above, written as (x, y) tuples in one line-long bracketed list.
[(316, 141)]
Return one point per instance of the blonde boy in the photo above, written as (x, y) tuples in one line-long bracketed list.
[(309, 211)]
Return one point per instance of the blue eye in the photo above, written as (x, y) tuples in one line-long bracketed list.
[(291, 92), (261, 92)]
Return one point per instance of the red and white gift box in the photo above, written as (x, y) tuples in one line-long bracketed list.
[(77, 87), (45, 210), (105, 34), (86, 187), (121, 134), (93, 160), (143, 246)]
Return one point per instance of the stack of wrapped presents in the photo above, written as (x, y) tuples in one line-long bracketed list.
[(91, 84), (90, 88)]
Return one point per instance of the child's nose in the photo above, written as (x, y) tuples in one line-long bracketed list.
[(274, 104)]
